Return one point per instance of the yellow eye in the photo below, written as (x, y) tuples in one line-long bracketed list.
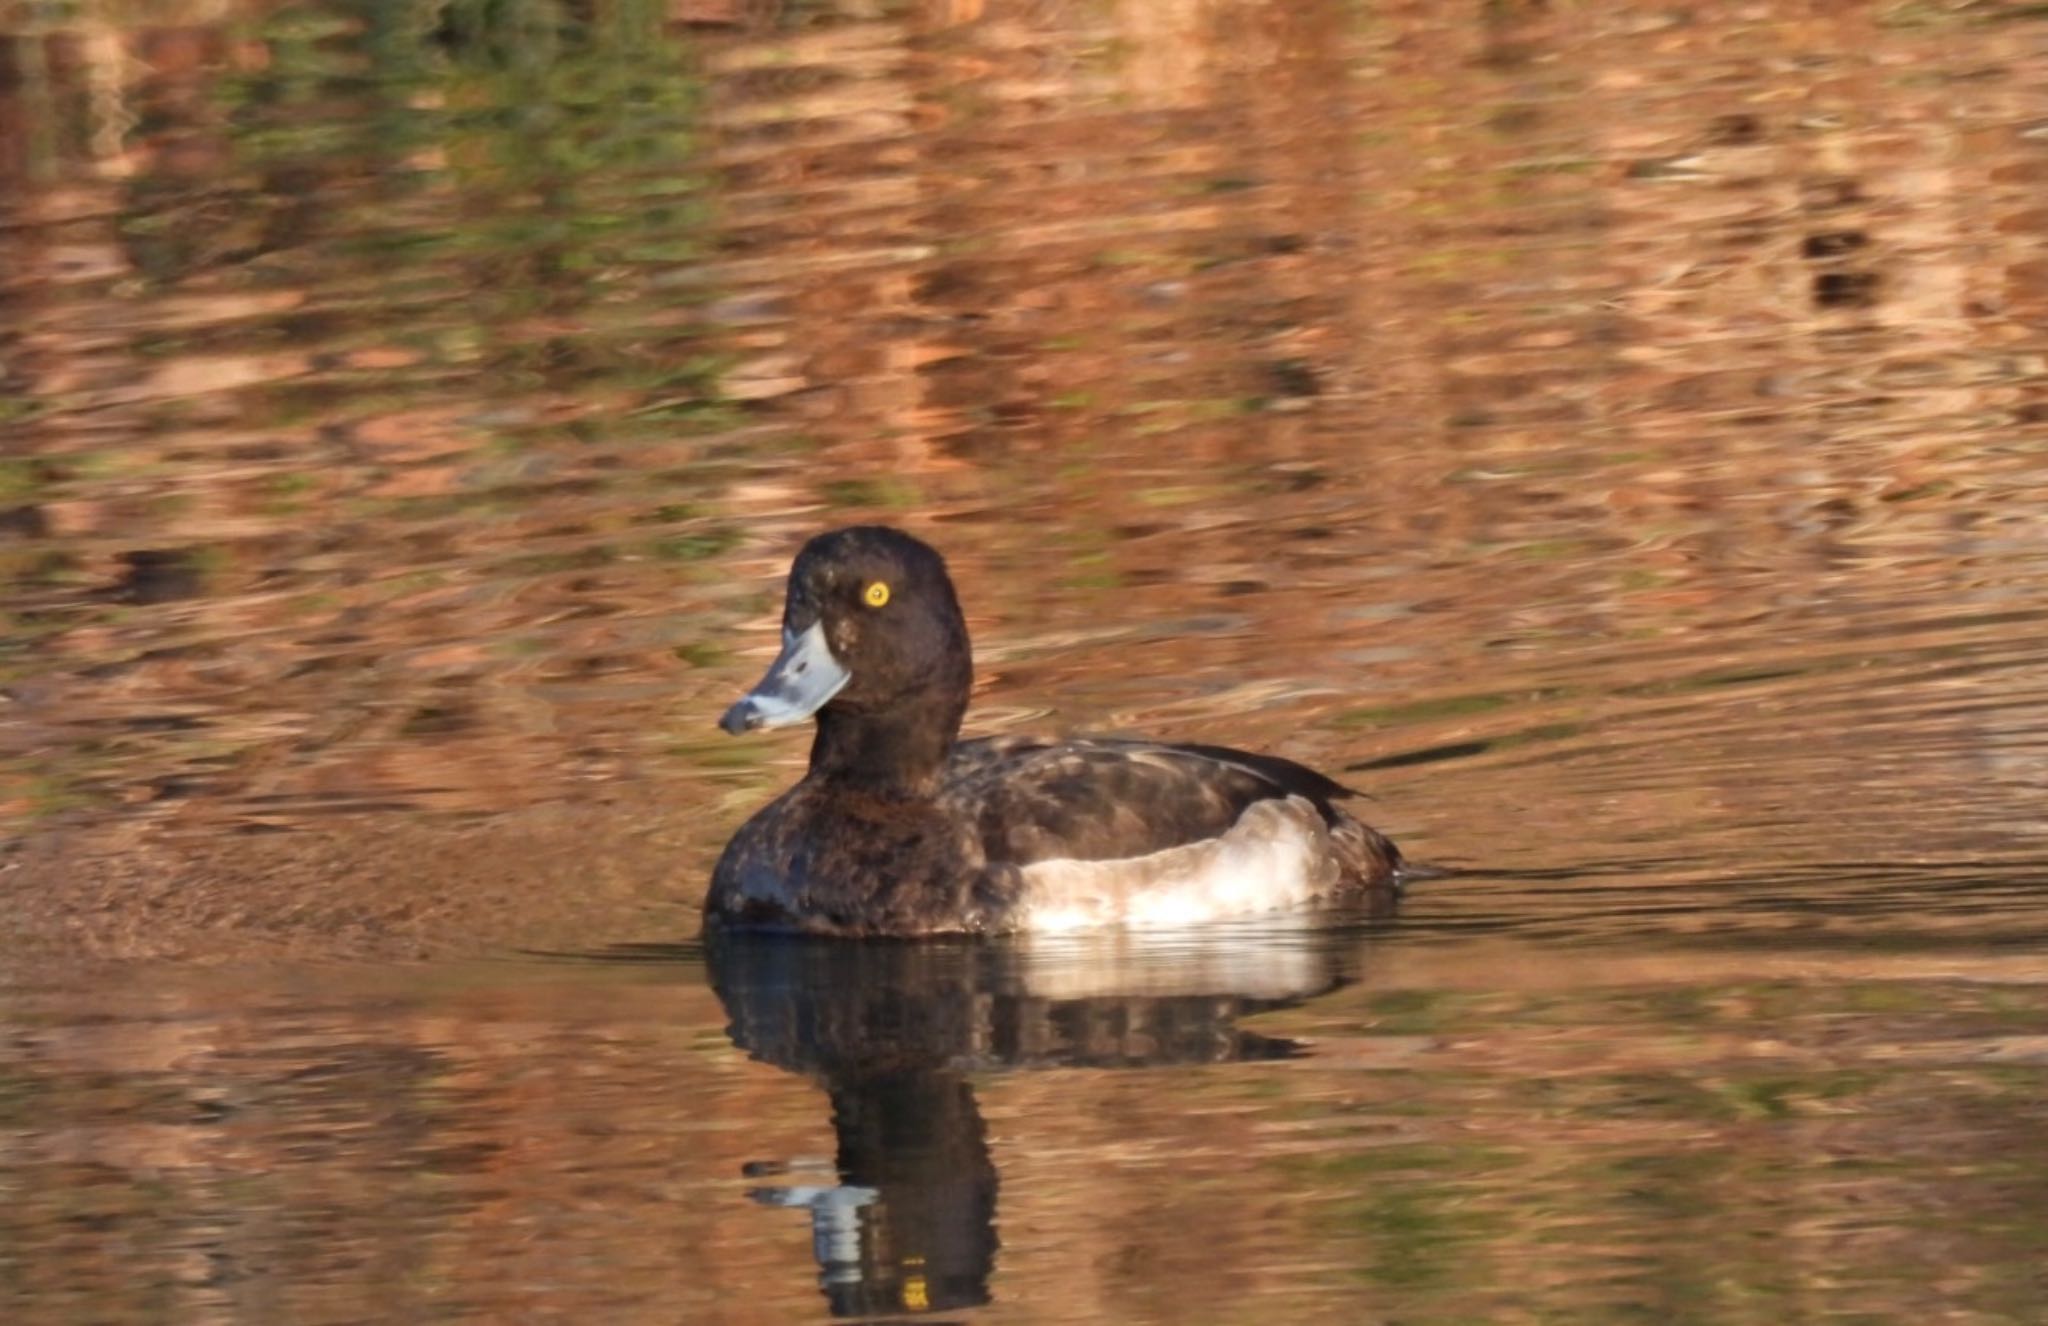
[(876, 594)]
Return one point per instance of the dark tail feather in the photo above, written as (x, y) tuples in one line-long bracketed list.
[(1369, 858)]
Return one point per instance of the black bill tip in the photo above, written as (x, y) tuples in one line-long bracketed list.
[(742, 717)]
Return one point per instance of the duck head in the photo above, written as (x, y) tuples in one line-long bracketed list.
[(873, 646)]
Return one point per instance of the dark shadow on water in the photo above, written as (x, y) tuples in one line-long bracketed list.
[(904, 1219)]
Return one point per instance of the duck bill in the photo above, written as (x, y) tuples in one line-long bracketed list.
[(802, 680)]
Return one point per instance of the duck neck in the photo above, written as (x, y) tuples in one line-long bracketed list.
[(899, 750)]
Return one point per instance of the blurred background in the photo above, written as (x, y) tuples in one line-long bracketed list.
[(1611, 434)]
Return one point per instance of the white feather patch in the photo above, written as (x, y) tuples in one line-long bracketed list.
[(1277, 855)]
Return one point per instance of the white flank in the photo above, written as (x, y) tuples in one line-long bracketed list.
[(1276, 855)]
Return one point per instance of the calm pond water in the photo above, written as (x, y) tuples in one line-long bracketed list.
[(1614, 436)]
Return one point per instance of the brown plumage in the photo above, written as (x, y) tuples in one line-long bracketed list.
[(898, 828)]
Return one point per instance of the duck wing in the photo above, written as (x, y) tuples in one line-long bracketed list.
[(1097, 799)]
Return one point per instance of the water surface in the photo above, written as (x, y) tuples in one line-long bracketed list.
[(1611, 436)]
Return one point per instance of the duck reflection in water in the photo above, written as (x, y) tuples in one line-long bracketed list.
[(904, 1221)]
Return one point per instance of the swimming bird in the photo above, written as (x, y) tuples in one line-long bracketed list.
[(899, 828)]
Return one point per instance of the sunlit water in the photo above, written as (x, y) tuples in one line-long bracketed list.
[(1613, 437)]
